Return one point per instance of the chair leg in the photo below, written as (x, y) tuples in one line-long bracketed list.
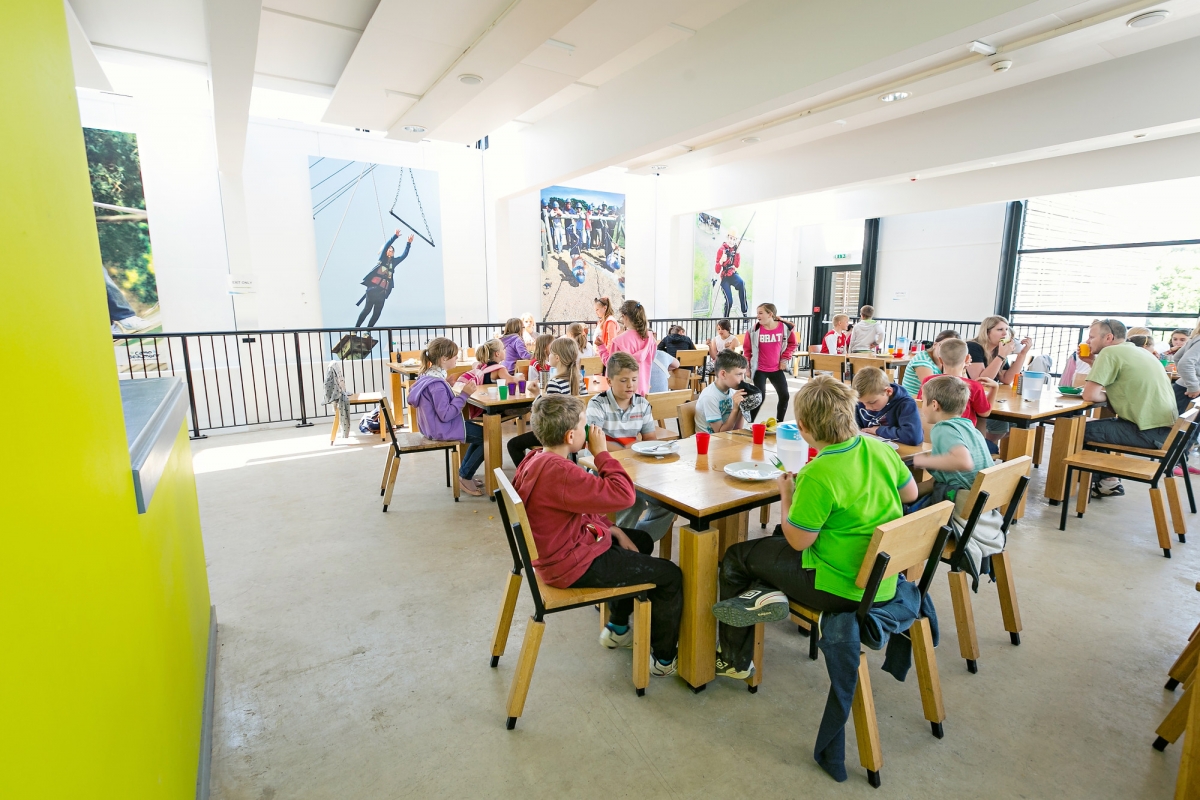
[(455, 465), (866, 724), (504, 621), (1007, 589), (665, 544), (641, 645), (964, 620), (1039, 444), (387, 467), (1187, 483), (382, 424), (337, 418), (764, 515), (1173, 724), (1160, 520), (925, 660), (534, 630), (1185, 665), (1176, 507), (1187, 784), (391, 482), (1085, 492), (446, 453), (760, 636), (1066, 501)]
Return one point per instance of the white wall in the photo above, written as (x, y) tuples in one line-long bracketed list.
[(940, 264)]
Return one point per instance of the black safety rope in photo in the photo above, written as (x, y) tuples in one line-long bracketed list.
[(428, 235)]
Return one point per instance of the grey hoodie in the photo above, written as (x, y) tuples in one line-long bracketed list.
[(1187, 363)]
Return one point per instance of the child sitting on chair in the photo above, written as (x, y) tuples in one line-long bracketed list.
[(719, 407), (833, 506), (577, 547), (885, 409), (959, 449), (439, 409)]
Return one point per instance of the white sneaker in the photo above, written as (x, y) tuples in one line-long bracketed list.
[(612, 640), (661, 670), (134, 324)]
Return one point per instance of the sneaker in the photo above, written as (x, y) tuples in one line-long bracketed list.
[(612, 640), (134, 324), (660, 670), (1099, 490), (752, 607), (727, 670)]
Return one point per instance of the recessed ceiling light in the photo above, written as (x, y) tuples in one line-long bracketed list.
[(751, 140), (469, 79), (659, 166), (415, 128), (1148, 19), (892, 97)]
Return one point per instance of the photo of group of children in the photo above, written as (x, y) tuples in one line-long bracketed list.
[(583, 250), (723, 263)]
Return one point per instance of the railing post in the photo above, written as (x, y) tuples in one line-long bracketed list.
[(304, 423), (187, 371)]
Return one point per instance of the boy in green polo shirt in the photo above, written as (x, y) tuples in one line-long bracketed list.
[(959, 449), (854, 485)]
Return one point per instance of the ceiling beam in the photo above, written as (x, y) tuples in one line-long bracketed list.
[(88, 72)]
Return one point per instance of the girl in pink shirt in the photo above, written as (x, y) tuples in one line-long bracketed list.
[(768, 347), (637, 341)]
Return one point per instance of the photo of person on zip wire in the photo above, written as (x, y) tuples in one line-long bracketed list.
[(728, 261), (380, 281)]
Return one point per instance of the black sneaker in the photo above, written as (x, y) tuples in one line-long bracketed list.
[(752, 607), (727, 670)]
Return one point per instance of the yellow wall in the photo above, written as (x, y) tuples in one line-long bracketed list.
[(103, 613)]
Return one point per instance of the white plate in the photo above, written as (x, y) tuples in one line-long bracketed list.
[(657, 449), (888, 442), (752, 471)]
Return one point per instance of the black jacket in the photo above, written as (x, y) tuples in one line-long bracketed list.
[(674, 342), (381, 277)]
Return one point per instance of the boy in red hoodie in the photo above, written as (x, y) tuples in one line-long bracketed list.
[(577, 546)]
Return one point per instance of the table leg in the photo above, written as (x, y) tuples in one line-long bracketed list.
[(1039, 445), (698, 629), (1068, 439), (397, 398), (1020, 443), (731, 530), (493, 451)]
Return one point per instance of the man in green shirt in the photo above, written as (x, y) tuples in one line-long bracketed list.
[(854, 485), (1136, 387)]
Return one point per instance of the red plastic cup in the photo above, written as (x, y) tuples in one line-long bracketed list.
[(702, 443), (812, 453), (759, 430)]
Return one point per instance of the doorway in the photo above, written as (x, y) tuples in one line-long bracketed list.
[(836, 290)]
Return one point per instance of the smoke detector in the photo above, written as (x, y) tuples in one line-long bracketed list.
[(468, 79), (1001, 66), (1148, 19)]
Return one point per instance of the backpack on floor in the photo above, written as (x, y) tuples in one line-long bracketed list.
[(370, 422)]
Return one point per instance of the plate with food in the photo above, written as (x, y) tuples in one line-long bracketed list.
[(1070, 391), (656, 449), (752, 471)]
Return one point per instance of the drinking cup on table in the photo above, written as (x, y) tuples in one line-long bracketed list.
[(702, 443), (759, 431), (521, 384), (502, 388)]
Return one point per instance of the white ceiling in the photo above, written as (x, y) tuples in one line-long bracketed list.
[(636, 83)]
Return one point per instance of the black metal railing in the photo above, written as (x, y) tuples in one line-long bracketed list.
[(241, 378)]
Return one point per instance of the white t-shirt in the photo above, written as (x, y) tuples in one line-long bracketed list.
[(713, 406), (660, 372)]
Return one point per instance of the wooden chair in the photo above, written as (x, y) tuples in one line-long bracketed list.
[(687, 419), (549, 600), (522, 366), (361, 399), (914, 541), (665, 406), (403, 443), (1001, 486), (592, 365), (859, 362), (1182, 671), (1138, 470), (693, 360), (1187, 416), (451, 376), (823, 362)]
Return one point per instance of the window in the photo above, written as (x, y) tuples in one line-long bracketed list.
[(1131, 251), (845, 293)]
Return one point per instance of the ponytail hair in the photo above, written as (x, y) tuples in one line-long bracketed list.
[(578, 332), (608, 309), (633, 311), (435, 351), (568, 356), (770, 309), (488, 352)]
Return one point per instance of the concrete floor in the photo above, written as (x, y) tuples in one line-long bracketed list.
[(354, 659)]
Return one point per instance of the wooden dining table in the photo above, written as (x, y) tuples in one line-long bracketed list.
[(716, 507), (1066, 413)]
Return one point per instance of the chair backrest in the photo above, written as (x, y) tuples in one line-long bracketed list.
[(687, 419), (665, 405), (1182, 442), (901, 544), (827, 363), (1180, 423), (516, 514), (1000, 482), (592, 365), (691, 358), (858, 362), (520, 538), (455, 371), (521, 366), (468, 352)]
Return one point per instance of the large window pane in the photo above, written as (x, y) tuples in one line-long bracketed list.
[(1149, 212)]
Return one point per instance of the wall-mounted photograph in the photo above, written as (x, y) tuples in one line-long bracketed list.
[(583, 251), (379, 233), (723, 263)]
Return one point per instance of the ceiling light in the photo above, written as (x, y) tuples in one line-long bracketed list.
[(659, 166), (1001, 66), (415, 128), (892, 97), (839, 122), (751, 140), (570, 48), (1148, 19), (982, 48), (470, 80)]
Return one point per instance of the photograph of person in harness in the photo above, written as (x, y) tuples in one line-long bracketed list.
[(728, 261), (381, 280)]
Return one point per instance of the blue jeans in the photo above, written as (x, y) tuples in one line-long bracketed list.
[(734, 281), (474, 456)]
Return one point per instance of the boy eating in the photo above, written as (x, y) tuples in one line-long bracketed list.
[(854, 485), (625, 417), (719, 407), (959, 449), (577, 547), (953, 353), (885, 409)]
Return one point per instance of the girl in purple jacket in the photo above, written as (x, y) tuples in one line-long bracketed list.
[(439, 410), (514, 343)]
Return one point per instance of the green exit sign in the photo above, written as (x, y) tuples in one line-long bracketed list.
[(841, 255)]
